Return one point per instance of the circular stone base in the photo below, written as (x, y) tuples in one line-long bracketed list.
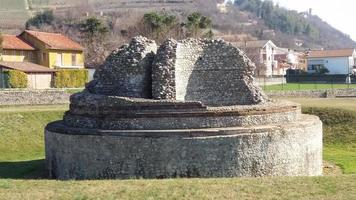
[(291, 149)]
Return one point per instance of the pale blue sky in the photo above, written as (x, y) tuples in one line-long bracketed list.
[(340, 13)]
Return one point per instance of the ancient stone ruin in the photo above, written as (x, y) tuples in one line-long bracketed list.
[(187, 108)]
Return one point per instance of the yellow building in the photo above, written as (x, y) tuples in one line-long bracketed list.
[(39, 55), (16, 49), (51, 50)]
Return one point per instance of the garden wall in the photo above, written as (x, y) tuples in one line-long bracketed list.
[(328, 93), (59, 96), (33, 97)]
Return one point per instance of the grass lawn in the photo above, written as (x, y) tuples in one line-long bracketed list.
[(317, 188), (22, 164), (305, 86), (21, 138), (72, 91), (339, 118)]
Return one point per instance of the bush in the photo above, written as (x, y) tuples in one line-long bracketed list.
[(15, 79), (43, 18), (332, 116), (71, 78)]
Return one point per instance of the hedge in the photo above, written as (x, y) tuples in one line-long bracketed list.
[(319, 78), (71, 78), (15, 79)]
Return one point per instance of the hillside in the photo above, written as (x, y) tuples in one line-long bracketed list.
[(330, 37), (245, 19), (13, 14), (290, 28)]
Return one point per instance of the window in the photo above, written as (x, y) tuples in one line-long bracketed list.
[(31, 56), (74, 59), (59, 60), (44, 57)]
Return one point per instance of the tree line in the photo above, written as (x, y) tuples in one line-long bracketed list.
[(159, 26), (278, 18), (99, 38)]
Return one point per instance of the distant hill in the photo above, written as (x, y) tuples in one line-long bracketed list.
[(293, 27), (13, 13), (247, 19), (107, 5), (330, 37)]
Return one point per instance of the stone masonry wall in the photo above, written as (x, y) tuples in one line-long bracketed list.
[(127, 71), (210, 71), (163, 78), (330, 93), (215, 73), (293, 149), (33, 97)]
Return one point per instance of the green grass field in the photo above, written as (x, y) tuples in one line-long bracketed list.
[(22, 165), (301, 188), (339, 136), (305, 86)]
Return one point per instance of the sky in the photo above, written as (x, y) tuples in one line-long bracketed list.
[(340, 14)]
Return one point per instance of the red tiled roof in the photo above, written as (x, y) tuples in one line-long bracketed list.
[(56, 41), (26, 67), (15, 43), (331, 53)]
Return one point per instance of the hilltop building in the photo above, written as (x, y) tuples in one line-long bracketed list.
[(40, 54)]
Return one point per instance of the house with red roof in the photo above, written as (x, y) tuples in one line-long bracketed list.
[(339, 61), (40, 54)]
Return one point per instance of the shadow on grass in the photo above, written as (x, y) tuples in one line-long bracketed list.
[(34, 169)]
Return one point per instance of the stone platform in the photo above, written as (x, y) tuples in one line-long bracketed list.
[(187, 108), (274, 142), (281, 150)]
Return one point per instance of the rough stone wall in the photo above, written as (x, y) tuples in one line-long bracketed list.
[(293, 149), (33, 97), (166, 122), (127, 71), (163, 68), (332, 93), (122, 113), (210, 71)]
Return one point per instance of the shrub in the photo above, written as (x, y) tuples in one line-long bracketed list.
[(332, 116), (43, 18), (71, 78), (16, 79)]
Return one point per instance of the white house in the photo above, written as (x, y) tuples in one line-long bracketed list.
[(262, 52), (341, 61)]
